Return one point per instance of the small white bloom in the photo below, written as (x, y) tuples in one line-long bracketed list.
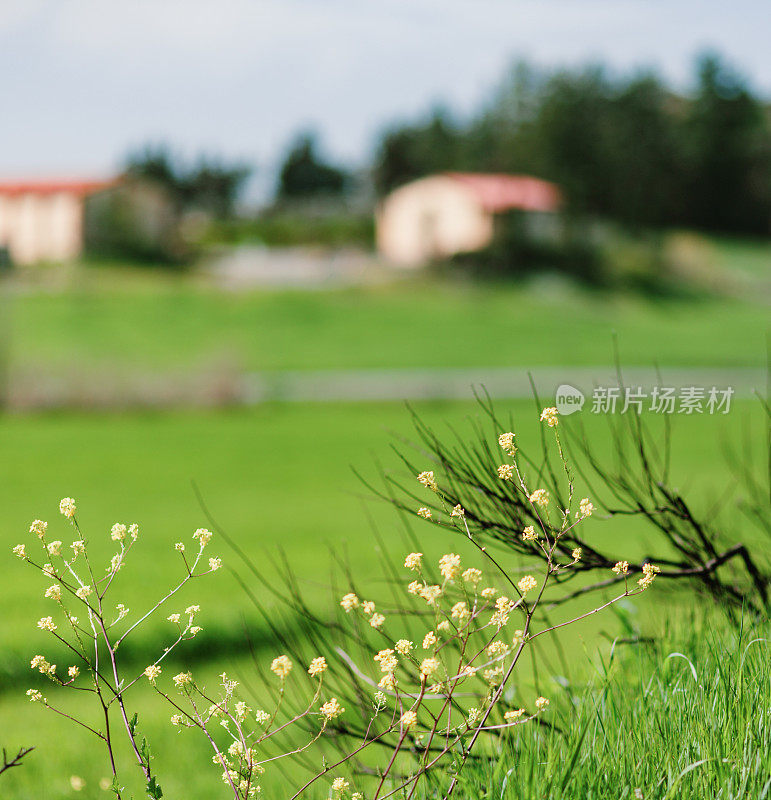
[(203, 535), (67, 507), (118, 532)]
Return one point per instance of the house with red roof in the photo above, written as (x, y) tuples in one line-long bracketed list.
[(454, 212), (42, 220)]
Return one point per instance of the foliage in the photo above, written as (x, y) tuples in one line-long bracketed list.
[(284, 228), (728, 153), (134, 220), (209, 184), (624, 148), (517, 251), (153, 214), (688, 547), (303, 175), (407, 152)]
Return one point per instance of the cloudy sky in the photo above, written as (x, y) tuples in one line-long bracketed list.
[(85, 80)]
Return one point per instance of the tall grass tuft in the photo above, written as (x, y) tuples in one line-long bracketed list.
[(687, 716)]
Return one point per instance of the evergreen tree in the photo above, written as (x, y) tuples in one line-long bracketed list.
[(304, 175), (727, 134)]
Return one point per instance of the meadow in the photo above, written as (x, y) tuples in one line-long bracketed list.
[(423, 325), (251, 466), (281, 474), (128, 321)]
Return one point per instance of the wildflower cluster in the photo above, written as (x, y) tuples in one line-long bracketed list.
[(241, 737), (93, 629), (456, 637), (351, 602), (432, 668)]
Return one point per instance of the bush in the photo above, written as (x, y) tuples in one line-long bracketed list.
[(595, 253), (294, 229), (134, 220), (411, 691)]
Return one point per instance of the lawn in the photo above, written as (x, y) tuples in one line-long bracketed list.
[(120, 324), (745, 257), (684, 717), (278, 474), (281, 474)]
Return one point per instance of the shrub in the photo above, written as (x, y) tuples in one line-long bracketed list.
[(406, 690), (691, 548)]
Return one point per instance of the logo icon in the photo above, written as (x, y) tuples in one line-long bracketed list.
[(569, 399)]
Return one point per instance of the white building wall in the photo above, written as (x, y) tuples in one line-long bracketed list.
[(66, 227), (431, 218), (41, 226)]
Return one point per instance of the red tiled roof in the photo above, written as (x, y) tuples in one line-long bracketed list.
[(498, 192), (81, 188)]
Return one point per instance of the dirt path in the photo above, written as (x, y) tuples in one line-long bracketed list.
[(510, 382), (30, 392)]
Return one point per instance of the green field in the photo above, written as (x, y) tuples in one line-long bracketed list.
[(127, 322), (281, 474), (277, 474), (420, 326)]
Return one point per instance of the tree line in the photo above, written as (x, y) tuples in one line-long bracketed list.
[(626, 148)]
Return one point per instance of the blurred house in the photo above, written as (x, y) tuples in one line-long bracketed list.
[(43, 220), (454, 212), (127, 217)]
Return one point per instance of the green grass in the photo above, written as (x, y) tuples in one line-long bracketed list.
[(281, 474), (753, 258), (134, 323), (686, 717), (274, 474), (278, 474)]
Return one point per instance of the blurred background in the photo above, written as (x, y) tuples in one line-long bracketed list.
[(235, 237)]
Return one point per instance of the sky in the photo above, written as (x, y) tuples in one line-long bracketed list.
[(88, 80)]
